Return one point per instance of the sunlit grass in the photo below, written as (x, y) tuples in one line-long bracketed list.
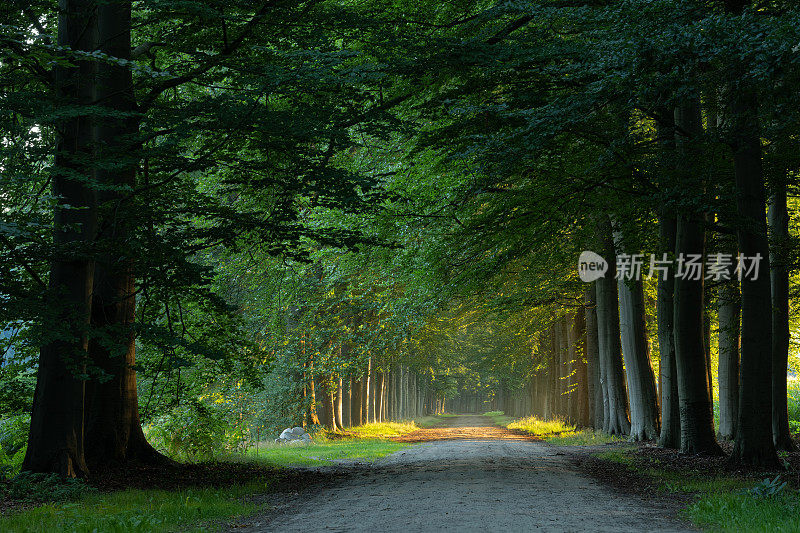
[(137, 510), (367, 443), (559, 432), (382, 430), (201, 509), (323, 453)]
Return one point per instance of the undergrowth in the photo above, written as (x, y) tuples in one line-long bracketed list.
[(135, 511), (724, 502)]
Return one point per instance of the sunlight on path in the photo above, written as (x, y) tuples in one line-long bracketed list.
[(466, 427), (468, 476)]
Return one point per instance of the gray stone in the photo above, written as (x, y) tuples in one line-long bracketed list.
[(296, 435)]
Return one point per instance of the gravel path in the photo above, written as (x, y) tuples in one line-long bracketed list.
[(479, 478)]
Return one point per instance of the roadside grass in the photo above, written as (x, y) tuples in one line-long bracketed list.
[(367, 442), (742, 512), (427, 421), (726, 503), (200, 509), (499, 418), (81, 508), (323, 453), (556, 431), (383, 430)]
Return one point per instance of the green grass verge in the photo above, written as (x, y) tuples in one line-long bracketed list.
[(367, 442), (724, 503), (743, 512), (324, 453), (499, 418), (427, 421), (197, 509), (137, 510)]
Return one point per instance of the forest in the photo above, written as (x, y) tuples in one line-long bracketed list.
[(225, 218)]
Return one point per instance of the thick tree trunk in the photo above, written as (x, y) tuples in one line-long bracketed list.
[(697, 420), (779, 278), (56, 437), (609, 334), (113, 428), (641, 380), (754, 443)]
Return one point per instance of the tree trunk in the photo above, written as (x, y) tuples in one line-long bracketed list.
[(609, 334), (593, 359), (639, 372), (113, 428), (753, 443), (582, 391), (373, 415), (381, 380), (56, 436), (338, 401), (670, 436), (355, 402), (697, 420), (728, 368), (779, 278), (365, 403)]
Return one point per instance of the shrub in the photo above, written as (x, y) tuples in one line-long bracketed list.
[(13, 443), (196, 431)]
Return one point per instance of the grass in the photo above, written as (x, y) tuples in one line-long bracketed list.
[(324, 453), (383, 430), (742, 512), (367, 442), (499, 418), (724, 503), (555, 431), (198, 509), (137, 510), (427, 421)]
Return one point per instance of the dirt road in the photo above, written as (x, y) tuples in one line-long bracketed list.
[(470, 476)]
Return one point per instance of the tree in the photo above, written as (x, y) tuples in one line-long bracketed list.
[(56, 440), (697, 420)]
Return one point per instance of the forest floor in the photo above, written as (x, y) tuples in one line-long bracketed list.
[(467, 474)]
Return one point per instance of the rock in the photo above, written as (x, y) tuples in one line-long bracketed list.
[(296, 435)]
